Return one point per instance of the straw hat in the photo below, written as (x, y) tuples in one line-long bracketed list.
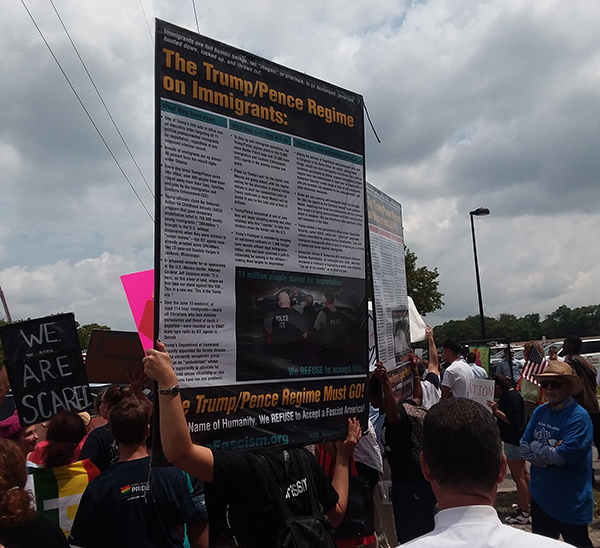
[(558, 370), (85, 417)]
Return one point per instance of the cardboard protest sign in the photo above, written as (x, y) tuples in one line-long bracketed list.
[(482, 391), (45, 367), (260, 244), (112, 355)]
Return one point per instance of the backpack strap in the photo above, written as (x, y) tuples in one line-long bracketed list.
[(315, 505), (278, 500), (581, 370)]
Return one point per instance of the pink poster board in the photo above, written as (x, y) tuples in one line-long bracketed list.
[(139, 289)]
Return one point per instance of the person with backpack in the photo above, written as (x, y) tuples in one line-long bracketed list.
[(587, 373), (275, 499), (413, 500)]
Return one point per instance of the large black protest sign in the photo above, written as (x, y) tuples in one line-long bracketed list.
[(45, 367), (260, 244)]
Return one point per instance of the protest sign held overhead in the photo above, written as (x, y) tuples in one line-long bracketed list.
[(392, 325), (45, 367), (260, 263)]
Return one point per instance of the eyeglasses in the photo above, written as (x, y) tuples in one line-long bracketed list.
[(557, 385)]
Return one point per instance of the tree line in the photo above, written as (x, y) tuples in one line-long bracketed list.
[(583, 321)]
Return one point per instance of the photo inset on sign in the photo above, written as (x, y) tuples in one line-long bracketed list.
[(401, 335), (298, 325)]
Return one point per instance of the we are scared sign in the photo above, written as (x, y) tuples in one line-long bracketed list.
[(45, 367)]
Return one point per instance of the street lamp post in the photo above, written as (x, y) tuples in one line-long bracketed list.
[(478, 212)]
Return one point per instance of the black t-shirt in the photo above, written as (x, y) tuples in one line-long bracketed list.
[(240, 478), (101, 448), (41, 532), (398, 449), (511, 404), (129, 505)]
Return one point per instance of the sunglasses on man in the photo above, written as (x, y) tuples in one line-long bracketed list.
[(557, 385)]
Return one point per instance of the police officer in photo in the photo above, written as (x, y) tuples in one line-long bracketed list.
[(288, 330)]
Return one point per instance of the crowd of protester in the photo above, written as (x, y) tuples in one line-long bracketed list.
[(442, 454)]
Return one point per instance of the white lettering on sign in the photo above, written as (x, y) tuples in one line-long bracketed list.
[(46, 334), (44, 405), (45, 370)]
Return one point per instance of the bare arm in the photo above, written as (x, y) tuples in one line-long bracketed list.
[(389, 402), (177, 445), (446, 393), (497, 413), (417, 388), (342, 471), (434, 360), (198, 535)]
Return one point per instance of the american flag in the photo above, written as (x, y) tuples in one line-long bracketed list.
[(536, 363)]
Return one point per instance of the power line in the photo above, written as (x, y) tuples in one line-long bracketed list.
[(196, 16), (85, 109), (100, 97), (147, 24)]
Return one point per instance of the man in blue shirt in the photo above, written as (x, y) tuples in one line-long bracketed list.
[(510, 367), (558, 444)]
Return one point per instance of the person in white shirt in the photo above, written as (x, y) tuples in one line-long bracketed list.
[(456, 377), (430, 379), (478, 371), (553, 354), (462, 459)]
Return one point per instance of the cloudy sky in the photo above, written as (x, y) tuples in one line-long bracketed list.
[(493, 104)]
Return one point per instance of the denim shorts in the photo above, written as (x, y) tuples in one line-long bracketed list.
[(512, 452)]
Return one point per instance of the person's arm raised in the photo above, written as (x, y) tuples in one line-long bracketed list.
[(136, 383), (389, 402), (177, 445), (434, 359), (417, 395), (342, 471)]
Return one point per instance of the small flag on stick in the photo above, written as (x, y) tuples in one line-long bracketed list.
[(536, 363)]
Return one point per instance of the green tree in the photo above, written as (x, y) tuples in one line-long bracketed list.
[(84, 333), (422, 285)]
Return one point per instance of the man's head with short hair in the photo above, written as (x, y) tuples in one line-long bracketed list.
[(572, 345), (329, 298), (472, 357), (451, 350), (462, 447), (129, 422)]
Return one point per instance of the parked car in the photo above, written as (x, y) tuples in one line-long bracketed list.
[(497, 354), (590, 349)]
